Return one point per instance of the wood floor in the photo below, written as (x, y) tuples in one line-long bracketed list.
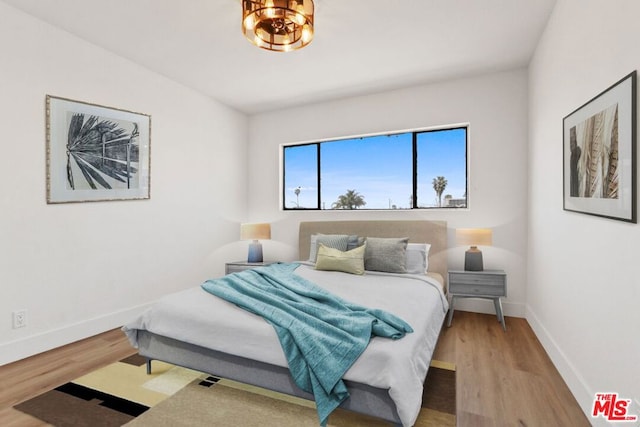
[(503, 378), (30, 377)]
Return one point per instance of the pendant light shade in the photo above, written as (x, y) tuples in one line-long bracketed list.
[(278, 25)]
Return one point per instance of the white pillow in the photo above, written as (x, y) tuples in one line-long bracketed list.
[(417, 258)]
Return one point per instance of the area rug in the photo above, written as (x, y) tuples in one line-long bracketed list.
[(123, 394)]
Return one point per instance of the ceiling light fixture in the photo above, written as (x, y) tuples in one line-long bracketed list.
[(278, 25)]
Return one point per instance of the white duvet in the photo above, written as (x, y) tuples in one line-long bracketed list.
[(202, 319)]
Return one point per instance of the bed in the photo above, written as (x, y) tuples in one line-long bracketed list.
[(256, 360)]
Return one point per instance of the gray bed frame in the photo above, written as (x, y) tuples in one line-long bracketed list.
[(363, 398)]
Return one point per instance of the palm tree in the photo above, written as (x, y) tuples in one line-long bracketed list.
[(297, 191), (350, 200), (439, 184)]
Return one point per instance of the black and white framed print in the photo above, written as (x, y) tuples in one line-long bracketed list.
[(599, 154), (96, 153)]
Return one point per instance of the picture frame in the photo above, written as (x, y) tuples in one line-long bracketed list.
[(599, 154), (96, 153)]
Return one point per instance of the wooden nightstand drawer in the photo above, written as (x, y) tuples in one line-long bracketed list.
[(238, 266), (476, 279), (480, 289), (491, 283)]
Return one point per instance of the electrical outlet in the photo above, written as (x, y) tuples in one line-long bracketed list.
[(19, 319)]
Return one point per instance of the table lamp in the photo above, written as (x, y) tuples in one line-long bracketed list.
[(473, 237), (255, 232)]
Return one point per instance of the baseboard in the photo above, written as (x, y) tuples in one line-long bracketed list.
[(38, 343), (571, 376)]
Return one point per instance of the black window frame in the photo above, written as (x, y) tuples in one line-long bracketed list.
[(414, 204)]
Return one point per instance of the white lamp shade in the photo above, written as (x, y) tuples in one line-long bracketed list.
[(256, 231), (474, 236)]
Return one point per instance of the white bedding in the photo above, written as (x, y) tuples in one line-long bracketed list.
[(197, 317)]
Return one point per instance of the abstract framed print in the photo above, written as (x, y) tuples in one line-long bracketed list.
[(96, 153)]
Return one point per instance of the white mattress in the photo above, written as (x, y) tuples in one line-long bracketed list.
[(202, 319)]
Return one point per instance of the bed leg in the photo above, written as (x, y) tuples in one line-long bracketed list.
[(148, 366)]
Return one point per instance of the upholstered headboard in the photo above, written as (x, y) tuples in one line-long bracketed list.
[(432, 232)]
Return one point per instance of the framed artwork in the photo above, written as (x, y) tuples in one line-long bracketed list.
[(599, 154), (96, 153)]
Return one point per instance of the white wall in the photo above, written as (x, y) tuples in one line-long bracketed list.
[(495, 105), (583, 293), (80, 269)]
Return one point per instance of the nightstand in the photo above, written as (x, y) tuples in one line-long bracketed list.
[(488, 284), (236, 266)]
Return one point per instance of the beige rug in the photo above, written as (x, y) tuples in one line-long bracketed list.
[(228, 403), (122, 394)]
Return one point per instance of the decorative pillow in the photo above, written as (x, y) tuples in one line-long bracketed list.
[(335, 260), (336, 241), (354, 242), (417, 257), (386, 254)]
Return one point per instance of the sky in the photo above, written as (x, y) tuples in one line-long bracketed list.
[(379, 168)]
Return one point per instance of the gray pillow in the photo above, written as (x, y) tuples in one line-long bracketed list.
[(354, 242), (386, 254), (335, 241)]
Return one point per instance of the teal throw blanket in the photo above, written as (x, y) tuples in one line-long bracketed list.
[(321, 334)]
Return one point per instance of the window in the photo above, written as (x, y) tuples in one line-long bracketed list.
[(409, 170), (301, 177)]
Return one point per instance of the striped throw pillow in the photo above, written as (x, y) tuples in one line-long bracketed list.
[(335, 241)]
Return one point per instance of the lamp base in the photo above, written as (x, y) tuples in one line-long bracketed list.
[(255, 252), (473, 259)]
